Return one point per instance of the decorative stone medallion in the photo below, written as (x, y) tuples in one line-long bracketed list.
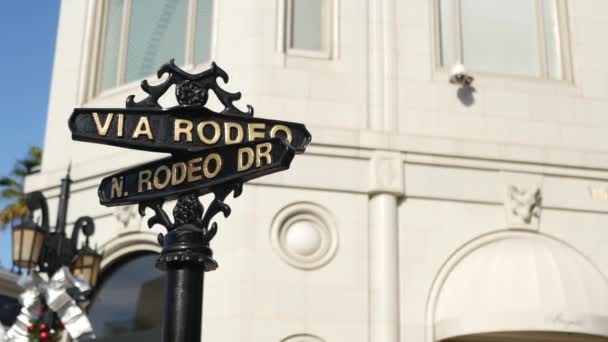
[(303, 235), (126, 215)]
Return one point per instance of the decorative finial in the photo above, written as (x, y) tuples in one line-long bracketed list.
[(69, 171)]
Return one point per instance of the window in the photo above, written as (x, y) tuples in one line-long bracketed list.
[(9, 309), (138, 36), (516, 37), (129, 301), (308, 28)]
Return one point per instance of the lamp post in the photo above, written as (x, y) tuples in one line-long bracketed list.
[(39, 246)]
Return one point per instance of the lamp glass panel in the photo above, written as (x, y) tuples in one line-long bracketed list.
[(37, 245), (27, 243), (87, 266), (17, 236)]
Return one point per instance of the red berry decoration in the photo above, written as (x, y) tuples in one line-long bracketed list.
[(44, 336), (43, 327), (61, 326), (31, 328)]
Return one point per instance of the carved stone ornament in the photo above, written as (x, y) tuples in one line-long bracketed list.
[(125, 215), (523, 206)]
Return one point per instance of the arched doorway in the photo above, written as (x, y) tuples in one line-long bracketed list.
[(519, 287), (127, 304)]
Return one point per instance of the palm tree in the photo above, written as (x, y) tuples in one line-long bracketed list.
[(12, 187)]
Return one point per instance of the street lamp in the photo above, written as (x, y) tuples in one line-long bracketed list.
[(27, 244), (39, 246), (87, 261)]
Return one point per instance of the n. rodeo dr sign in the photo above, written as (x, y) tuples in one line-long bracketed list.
[(196, 172)]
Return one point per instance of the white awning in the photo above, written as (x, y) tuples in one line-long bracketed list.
[(522, 282)]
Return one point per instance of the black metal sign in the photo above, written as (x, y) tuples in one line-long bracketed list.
[(191, 132), (211, 153), (181, 128), (196, 172)]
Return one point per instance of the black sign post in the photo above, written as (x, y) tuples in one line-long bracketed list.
[(211, 153)]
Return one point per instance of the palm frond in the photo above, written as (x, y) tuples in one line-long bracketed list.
[(13, 187), (7, 181), (12, 212), (11, 193)]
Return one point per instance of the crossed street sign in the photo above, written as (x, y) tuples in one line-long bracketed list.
[(208, 149)]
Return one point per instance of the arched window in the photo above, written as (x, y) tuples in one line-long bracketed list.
[(128, 302), (138, 36)]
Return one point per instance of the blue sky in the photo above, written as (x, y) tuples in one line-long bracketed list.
[(27, 43)]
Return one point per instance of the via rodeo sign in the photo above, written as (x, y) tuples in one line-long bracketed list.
[(209, 150)]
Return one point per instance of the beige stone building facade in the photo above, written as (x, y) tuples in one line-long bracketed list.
[(422, 211)]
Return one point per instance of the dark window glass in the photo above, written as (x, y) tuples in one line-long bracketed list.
[(128, 302), (9, 309)]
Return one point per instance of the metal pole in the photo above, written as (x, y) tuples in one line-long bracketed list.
[(183, 304), (185, 257), (64, 197)]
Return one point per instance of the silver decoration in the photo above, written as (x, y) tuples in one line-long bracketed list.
[(57, 299), (30, 301)]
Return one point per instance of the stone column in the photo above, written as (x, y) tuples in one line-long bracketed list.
[(382, 67), (386, 188)]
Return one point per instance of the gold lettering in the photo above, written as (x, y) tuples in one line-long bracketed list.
[(157, 182), (181, 167), (200, 129), (241, 166), (281, 128), (256, 131), (102, 129), (218, 165), (121, 125), (116, 191), (263, 151), (193, 168), (182, 126), (239, 133), (144, 179), (143, 128)]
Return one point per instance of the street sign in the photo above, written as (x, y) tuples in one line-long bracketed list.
[(212, 152), (182, 128), (196, 172)]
